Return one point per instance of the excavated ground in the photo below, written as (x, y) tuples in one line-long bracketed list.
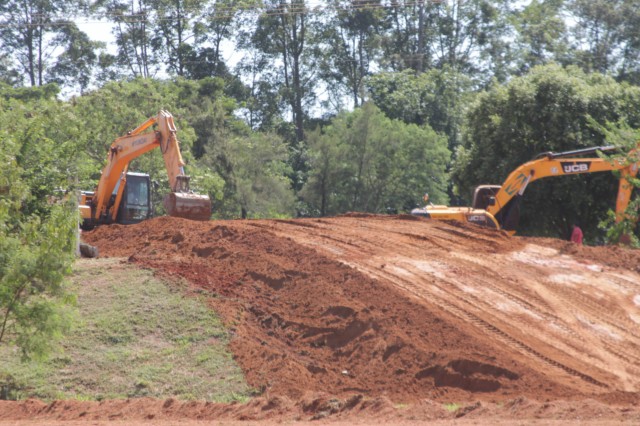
[(375, 311)]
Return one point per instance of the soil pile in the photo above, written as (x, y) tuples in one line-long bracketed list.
[(403, 308), (369, 309)]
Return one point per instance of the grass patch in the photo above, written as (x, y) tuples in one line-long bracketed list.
[(135, 336), (452, 407)]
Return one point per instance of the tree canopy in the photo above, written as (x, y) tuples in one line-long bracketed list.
[(367, 162), (38, 224), (549, 109)]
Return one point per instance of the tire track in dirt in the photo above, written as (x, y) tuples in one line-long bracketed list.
[(481, 322), (573, 341), (576, 310), (622, 345), (598, 347), (457, 310), (598, 327), (614, 319)]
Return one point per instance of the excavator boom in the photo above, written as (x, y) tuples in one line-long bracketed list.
[(103, 205), (496, 206), (562, 164)]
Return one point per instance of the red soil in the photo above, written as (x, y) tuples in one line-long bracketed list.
[(353, 315)]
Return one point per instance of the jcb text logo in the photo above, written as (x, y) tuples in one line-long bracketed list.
[(575, 167)]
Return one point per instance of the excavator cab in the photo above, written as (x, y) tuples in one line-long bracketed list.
[(136, 199), (485, 196)]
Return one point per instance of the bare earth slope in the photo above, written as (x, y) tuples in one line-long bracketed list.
[(408, 309)]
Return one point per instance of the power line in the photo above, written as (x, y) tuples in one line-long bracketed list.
[(227, 12)]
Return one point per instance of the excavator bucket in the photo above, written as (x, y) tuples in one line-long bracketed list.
[(188, 205)]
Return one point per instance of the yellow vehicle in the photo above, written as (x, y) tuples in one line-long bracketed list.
[(497, 206), (123, 197)]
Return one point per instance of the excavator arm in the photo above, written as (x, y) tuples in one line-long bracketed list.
[(497, 206), (180, 202), (562, 164)]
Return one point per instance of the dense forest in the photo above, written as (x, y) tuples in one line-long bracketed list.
[(326, 107)]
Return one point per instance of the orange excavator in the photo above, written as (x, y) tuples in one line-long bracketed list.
[(497, 207), (124, 197)]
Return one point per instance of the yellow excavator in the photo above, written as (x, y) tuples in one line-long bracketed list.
[(497, 207), (125, 197)]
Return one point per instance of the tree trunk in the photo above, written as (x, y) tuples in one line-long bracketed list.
[(420, 53)]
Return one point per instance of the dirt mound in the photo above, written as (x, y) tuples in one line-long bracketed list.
[(406, 309), (305, 322), (385, 318)]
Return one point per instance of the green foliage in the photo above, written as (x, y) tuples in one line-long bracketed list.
[(37, 228), (255, 169), (284, 33), (606, 37), (548, 109), (26, 94), (452, 407), (350, 42), (74, 67), (138, 41), (31, 31), (626, 229), (366, 162), (467, 36), (34, 260), (437, 98), (541, 34)]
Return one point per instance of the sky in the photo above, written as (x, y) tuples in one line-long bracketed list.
[(98, 31)]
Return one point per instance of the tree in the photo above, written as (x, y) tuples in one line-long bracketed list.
[(139, 45), (605, 37), (630, 64), (263, 107), (541, 34), (437, 98), (37, 234), (34, 258), (407, 41), (364, 161), (597, 33), (74, 67), (350, 40), (8, 74), (216, 27), (465, 36), (282, 32), (33, 33), (625, 229), (255, 170), (180, 24), (549, 109)]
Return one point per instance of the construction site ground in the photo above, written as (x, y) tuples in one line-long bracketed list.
[(392, 319)]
